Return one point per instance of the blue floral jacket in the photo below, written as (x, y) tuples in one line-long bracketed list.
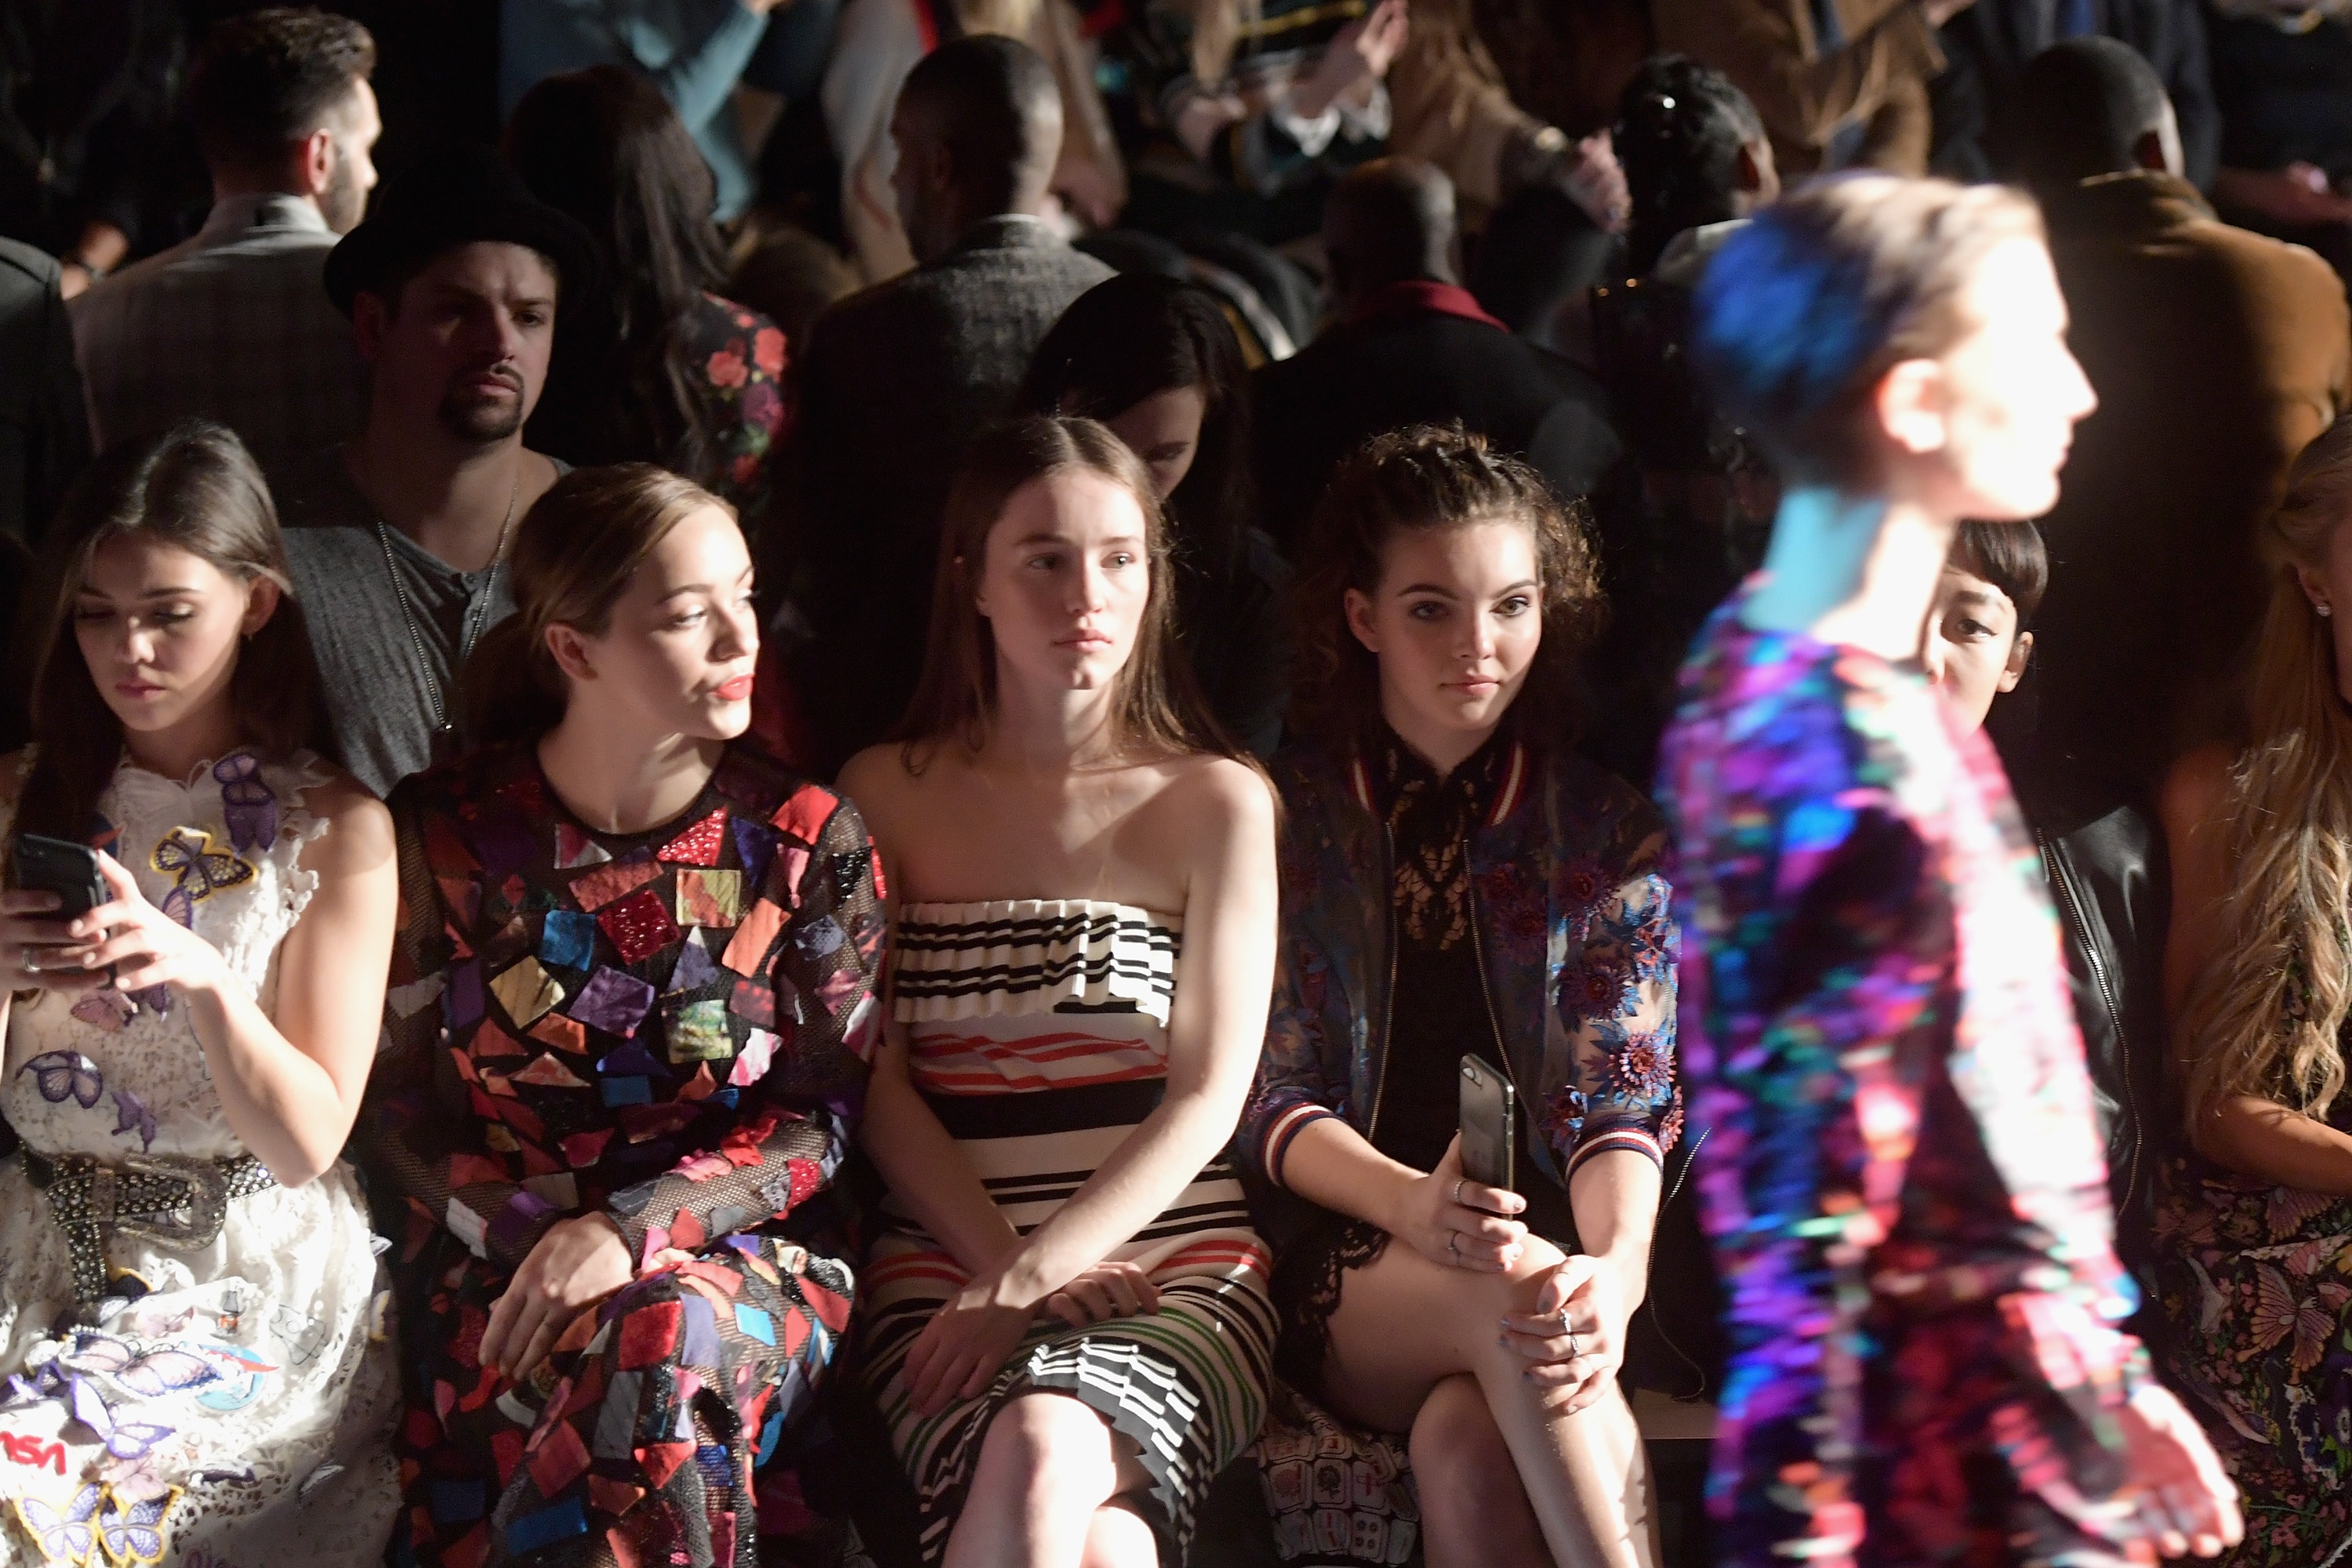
[(1579, 948)]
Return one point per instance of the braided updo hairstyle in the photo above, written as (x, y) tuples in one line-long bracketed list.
[(1425, 478), (1681, 127)]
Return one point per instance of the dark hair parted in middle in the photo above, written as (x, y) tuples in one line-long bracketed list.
[(1804, 310), (1158, 709), (1138, 334), (195, 489), (1433, 478), (573, 555)]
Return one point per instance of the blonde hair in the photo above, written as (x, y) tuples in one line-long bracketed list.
[(2263, 1013), (574, 554)]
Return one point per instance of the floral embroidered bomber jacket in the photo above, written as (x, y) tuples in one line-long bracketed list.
[(1576, 944)]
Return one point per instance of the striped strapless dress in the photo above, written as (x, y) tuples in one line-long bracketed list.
[(1039, 1037)]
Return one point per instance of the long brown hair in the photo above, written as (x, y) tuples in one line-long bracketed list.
[(196, 489), (573, 555), (2263, 1016), (1157, 707), (1430, 478)]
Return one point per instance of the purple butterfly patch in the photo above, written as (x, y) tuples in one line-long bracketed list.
[(132, 1116), (134, 1534), (68, 1536), (131, 1439), (247, 804), (63, 1075), (163, 1372)]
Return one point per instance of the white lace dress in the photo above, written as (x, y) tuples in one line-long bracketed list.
[(237, 1414)]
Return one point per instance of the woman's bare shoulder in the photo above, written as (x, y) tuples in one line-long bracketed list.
[(1215, 793), (359, 826)]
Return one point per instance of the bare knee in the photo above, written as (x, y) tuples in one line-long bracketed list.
[(1468, 1484), (1118, 1538), (1052, 1450)]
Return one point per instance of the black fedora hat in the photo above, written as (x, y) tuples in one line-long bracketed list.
[(463, 195)]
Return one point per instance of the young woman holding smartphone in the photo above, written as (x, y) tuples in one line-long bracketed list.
[(190, 1327), (1455, 881)]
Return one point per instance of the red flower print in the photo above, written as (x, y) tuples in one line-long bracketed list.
[(1585, 884), (768, 350), (1563, 1115), (745, 469), (1670, 1131), (1641, 1065), (727, 368)]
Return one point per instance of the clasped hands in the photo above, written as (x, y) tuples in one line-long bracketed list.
[(960, 1350)]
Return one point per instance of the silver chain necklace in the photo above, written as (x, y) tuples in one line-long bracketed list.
[(444, 730)]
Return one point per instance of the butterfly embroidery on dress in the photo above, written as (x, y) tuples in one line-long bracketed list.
[(133, 1534), (247, 804), (66, 1535), (66, 1075), (150, 1374), (197, 871)]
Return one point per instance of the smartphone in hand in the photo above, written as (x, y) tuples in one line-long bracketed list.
[(54, 866), (1489, 1123)]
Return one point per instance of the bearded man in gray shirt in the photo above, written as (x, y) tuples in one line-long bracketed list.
[(396, 540)]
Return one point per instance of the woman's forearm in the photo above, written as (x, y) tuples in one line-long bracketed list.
[(2264, 1139), (1150, 1167), (927, 1173), (1614, 1197), (282, 1105), (1331, 1163)]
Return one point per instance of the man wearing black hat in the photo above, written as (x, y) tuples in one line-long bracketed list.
[(396, 540)]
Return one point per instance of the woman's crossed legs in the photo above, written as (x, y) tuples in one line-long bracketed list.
[(1416, 1347)]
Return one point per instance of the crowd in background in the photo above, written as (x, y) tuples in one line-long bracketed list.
[(719, 356)]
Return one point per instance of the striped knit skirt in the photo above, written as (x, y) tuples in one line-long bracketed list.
[(1039, 1034)]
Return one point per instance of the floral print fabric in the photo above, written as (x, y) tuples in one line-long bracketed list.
[(1902, 1179), (737, 358), (2255, 1281), (1580, 958), (672, 1029)]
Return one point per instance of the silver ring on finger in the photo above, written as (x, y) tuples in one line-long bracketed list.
[(32, 965), (1453, 1242), (1457, 1185), (1573, 1349)]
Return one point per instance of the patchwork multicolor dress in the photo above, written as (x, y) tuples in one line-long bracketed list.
[(210, 1381), (1039, 1036), (1904, 1183), (669, 1028)]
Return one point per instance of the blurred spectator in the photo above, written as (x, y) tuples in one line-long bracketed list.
[(654, 368), (2106, 866), (1411, 347), (235, 324), (1157, 361), (881, 41), (1254, 106), (1686, 519), (86, 93), (896, 380), (44, 446), (2282, 76), (789, 276), (695, 51), (44, 433), (396, 540), (1453, 108), (1841, 83), (1987, 45), (2216, 354), (1694, 153)]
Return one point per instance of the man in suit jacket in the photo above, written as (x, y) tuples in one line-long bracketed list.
[(894, 381), (1987, 45), (2216, 354), (1411, 347)]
